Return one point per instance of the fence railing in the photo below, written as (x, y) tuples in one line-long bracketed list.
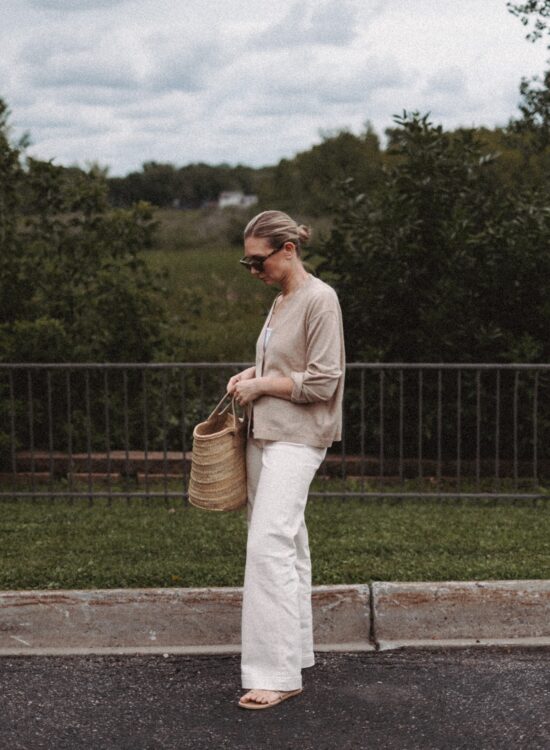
[(410, 429)]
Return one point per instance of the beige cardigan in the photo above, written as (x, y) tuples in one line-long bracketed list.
[(307, 345)]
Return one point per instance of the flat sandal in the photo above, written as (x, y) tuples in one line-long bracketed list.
[(283, 695)]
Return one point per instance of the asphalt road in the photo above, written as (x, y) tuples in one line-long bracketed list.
[(476, 699)]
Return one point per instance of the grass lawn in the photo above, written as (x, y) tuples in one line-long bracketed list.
[(54, 544)]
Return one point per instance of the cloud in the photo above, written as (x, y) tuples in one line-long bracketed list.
[(121, 59), (183, 64), (442, 90), (74, 5), (307, 83), (114, 59), (251, 81), (450, 80), (327, 22)]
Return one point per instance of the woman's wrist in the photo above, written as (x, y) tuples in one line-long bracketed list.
[(280, 387)]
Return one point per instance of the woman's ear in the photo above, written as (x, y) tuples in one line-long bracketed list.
[(289, 247)]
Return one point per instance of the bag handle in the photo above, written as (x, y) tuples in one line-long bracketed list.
[(226, 407)]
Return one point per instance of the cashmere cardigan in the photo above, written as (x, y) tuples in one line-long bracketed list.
[(307, 345)]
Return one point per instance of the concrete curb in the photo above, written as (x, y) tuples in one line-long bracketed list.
[(384, 615), (461, 613)]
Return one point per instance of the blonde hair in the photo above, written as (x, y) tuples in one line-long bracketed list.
[(277, 227)]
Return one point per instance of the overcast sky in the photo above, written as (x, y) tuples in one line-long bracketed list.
[(121, 82)]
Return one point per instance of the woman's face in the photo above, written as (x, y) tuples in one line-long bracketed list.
[(275, 267)]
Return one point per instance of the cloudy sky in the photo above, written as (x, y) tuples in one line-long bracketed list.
[(121, 82)]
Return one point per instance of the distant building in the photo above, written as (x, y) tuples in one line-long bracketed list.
[(236, 198)]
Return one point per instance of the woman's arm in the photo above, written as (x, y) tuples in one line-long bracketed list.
[(253, 388), (247, 374), (319, 381)]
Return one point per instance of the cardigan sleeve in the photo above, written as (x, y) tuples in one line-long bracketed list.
[(319, 381)]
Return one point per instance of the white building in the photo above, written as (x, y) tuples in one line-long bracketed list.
[(236, 198)]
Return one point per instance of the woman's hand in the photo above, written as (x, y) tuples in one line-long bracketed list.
[(247, 390), (250, 372)]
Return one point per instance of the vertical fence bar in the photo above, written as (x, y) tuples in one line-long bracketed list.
[(69, 434), (535, 429), (478, 429), (401, 427), (108, 435), (12, 433), (88, 436), (458, 428), (381, 427), (515, 428), (439, 424), (145, 432), (126, 432), (420, 386), (30, 412), (50, 429), (497, 430), (183, 439), (201, 393), (362, 433), (164, 446), (343, 464)]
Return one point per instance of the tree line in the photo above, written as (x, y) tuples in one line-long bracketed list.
[(305, 183)]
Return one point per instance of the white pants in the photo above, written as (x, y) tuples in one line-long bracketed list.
[(277, 632)]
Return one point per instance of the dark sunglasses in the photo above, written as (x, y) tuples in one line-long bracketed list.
[(257, 261)]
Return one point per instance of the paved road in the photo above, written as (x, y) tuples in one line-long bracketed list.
[(476, 699)]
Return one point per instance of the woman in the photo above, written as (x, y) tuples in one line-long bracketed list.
[(293, 396)]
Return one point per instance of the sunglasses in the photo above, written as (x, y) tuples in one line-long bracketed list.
[(256, 262)]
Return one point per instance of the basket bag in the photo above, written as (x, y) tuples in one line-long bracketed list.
[(218, 461)]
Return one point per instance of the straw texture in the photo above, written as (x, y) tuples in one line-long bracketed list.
[(218, 464)]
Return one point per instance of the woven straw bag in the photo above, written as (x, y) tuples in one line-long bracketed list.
[(218, 462)]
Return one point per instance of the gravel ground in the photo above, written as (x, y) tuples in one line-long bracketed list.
[(476, 699)]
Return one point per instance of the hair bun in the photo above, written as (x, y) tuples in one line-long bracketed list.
[(304, 233)]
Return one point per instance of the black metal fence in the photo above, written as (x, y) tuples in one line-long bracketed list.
[(410, 429)]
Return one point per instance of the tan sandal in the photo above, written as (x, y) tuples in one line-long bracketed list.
[(282, 697)]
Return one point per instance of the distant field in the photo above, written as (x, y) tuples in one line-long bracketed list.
[(220, 305)]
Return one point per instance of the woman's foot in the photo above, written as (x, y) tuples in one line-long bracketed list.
[(258, 698)]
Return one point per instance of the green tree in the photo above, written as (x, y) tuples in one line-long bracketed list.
[(74, 287), (535, 92), (306, 182), (442, 263), (537, 11)]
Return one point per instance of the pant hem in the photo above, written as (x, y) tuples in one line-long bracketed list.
[(263, 682)]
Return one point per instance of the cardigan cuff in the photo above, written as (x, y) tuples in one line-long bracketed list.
[(298, 380)]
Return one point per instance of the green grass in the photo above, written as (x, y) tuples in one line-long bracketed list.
[(53, 544)]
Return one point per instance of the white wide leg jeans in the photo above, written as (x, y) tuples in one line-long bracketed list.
[(277, 632)]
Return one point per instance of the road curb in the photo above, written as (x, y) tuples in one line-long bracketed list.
[(360, 617), (461, 613)]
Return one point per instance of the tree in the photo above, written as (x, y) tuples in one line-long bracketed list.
[(74, 287), (306, 182), (535, 93), (441, 263), (533, 10)]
